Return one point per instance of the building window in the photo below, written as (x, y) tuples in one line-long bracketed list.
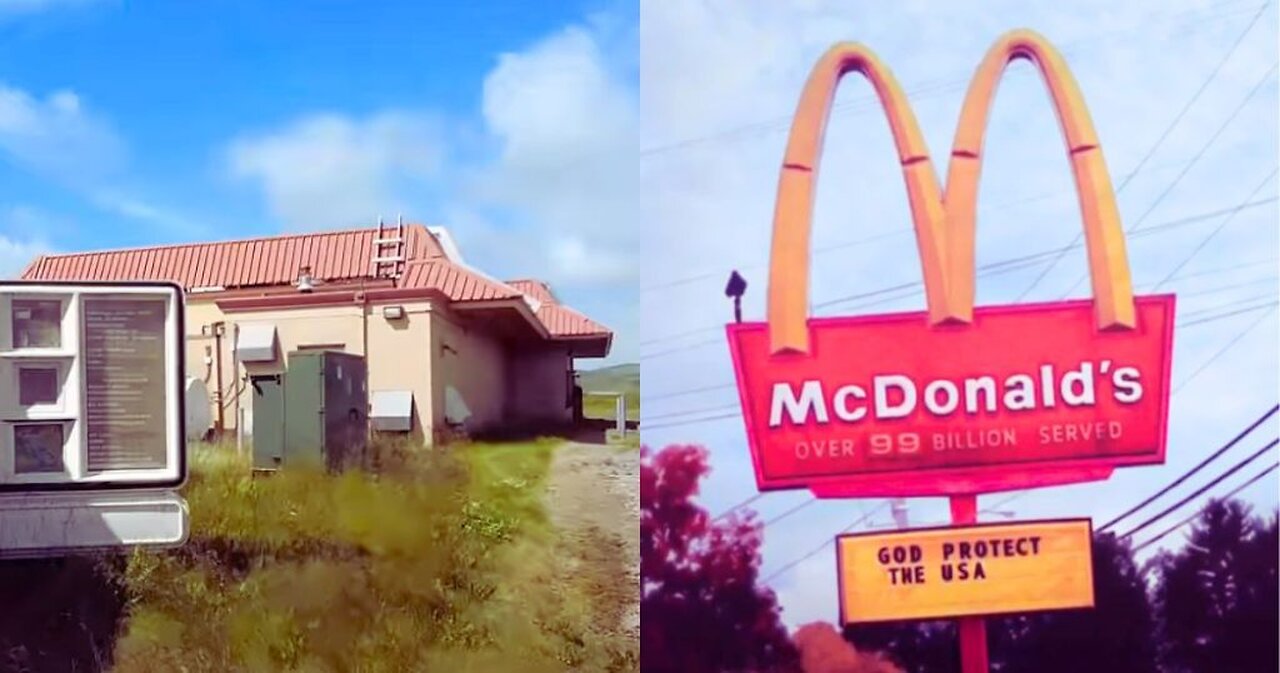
[(37, 323), (37, 385), (37, 447)]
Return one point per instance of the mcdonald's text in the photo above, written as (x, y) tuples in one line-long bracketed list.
[(1021, 388), (899, 396)]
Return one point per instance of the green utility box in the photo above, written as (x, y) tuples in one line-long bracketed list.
[(316, 412), (268, 421), (326, 409)]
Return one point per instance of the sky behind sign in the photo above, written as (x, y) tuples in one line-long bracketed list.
[(513, 124), (717, 100)]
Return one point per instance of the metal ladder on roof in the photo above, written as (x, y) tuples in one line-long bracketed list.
[(387, 262)]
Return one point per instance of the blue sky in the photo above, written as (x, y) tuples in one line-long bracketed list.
[(141, 123), (718, 89)]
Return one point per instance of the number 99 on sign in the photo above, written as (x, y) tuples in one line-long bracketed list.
[(903, 442)]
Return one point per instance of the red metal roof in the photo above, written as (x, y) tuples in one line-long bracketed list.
[(333, 256), (563, 321), (456, 282), (536, 289)]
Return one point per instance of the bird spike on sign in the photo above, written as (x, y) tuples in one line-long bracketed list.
[(954, 401)]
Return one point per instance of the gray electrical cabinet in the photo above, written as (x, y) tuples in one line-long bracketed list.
[(326, 403)]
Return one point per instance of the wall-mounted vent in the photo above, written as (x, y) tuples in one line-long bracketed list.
[(392, 410), (257, 342)]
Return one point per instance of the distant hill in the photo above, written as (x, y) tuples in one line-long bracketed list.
[(623, 378)]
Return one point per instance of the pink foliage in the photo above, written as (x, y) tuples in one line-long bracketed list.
[(701, 611)]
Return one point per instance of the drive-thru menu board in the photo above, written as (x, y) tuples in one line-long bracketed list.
[(969, 570), (124, 371)]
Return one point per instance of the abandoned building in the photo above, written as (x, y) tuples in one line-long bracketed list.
[(447, 348)]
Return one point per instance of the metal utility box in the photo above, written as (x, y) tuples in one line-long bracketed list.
[(326, 409), (268, 421)]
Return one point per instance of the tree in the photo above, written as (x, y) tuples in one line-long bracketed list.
[(701, 609), (915, 647), (1216, 596), (822, 650), (1116, 636)]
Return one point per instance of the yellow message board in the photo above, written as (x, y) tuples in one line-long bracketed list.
[(966, 570)]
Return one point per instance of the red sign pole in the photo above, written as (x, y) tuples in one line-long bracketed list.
[(973, 630)]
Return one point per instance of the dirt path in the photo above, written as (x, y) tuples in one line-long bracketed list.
[(594, 501)]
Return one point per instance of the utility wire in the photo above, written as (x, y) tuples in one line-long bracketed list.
[(791, 511), (1235, 468), (1199, 466), (1220, 316), (1198, 274), (739, 506), (1240, 335), (985, 270), (1222, 351), (932, 87), (1267, 78), (1200, 511), (1205, 241), (1177, 119), (774, 575)]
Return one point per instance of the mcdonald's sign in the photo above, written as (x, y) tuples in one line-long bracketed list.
[(954, 399)]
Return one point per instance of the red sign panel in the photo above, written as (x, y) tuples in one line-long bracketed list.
[(1026, 395)]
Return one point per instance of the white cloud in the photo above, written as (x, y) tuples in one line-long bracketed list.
[(57, 138), (567, 124), (23, 242), (60, 140), (329, 170)]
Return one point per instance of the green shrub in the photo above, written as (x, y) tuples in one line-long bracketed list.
[(443, 558)]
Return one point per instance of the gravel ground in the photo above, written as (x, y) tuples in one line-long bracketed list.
[(594, 501)]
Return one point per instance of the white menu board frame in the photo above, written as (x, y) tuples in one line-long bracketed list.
[(71, 411)]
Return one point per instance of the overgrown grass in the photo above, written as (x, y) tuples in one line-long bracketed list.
[(442, 560)]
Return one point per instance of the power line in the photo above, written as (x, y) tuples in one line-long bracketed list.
[(931, 88), (1198, 274), (819, 548), (1265, 79), (1200, 511), (1228, 346), (739, 506), (681, 393), (983, 271), (1177, 119), (791, 511), (1220, 316), (1235, 468), (1216, 309), (1223, 449), (1205, 241), (1209, 319)]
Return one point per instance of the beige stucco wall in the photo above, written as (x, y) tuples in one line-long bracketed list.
[(426, 351), (398, 350), (202, 358), (540, 383), (399, 358), (473, 363)]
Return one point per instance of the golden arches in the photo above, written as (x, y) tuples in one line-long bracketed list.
[(1104, 236), (793, 212), (944, 226)]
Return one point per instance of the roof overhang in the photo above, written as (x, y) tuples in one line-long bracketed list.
[(511, 318), (588, 345)]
